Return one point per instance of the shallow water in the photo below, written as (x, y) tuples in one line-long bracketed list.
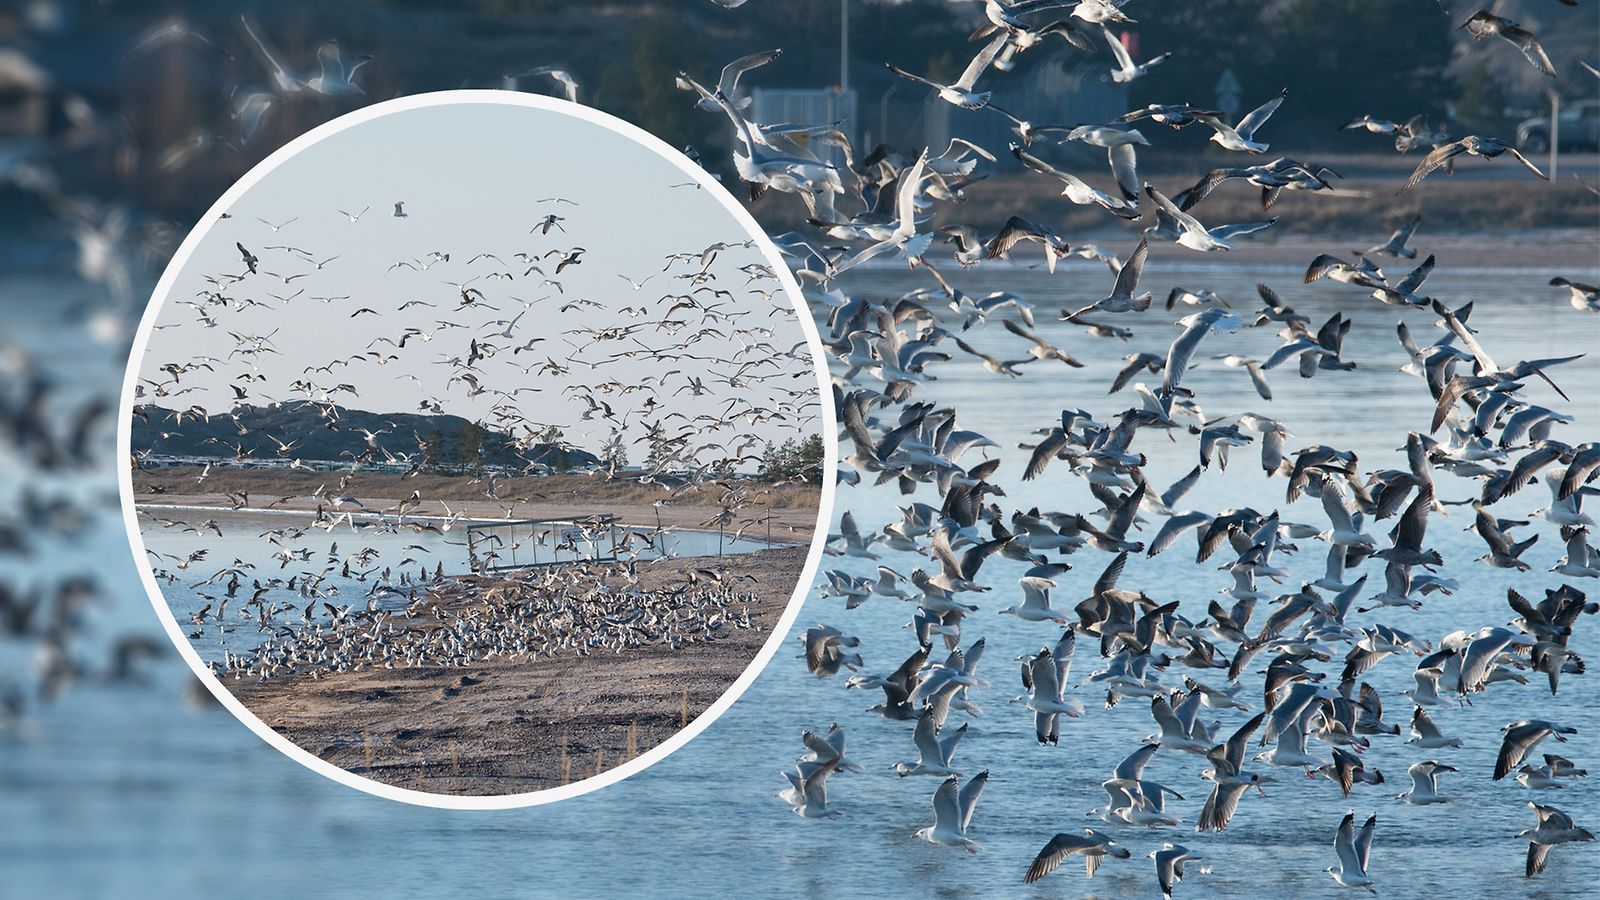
[(169, 537), (116, 787)]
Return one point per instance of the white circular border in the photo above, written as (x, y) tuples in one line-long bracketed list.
[(542, 104)]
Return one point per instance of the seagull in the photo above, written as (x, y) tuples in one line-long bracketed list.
[(1472, 145), (1520, 738), (1555, 827), (1585, 297), (728, 81), (1396, 244), (334, 80), (960, 92), (1041, 348), (1093, 846), (1126, 71), (1232, 781), (1242, 136), (1044, 676), (1372, 125), (1074, 188), (1425, 782), (933, 752), (904, 237), (1427, 735), (569, 85), (400, 209), (1035, 605), (1186, 230), (1353, 850), (1122, 298), (807, 793), (1169, 865), (1483, 23), (953, 804)]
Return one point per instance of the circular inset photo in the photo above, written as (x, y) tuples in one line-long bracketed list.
[(477, 449)]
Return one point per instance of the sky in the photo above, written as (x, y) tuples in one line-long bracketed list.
[(474, 178)]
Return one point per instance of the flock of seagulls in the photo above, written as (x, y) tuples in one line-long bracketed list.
[(1293, 661), (1497, 439), (693, 377), (576, 608)]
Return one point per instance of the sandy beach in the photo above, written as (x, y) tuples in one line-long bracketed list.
[(514, 726)]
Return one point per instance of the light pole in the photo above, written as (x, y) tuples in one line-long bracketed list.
[(844, 46), (1554, 133)]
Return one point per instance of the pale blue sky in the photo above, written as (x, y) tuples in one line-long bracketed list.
[(471, 176)]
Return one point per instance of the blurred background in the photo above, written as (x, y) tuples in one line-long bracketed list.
[(121, 122)]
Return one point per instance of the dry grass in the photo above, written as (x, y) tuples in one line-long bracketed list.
[(1356, 207), (1493, 195)]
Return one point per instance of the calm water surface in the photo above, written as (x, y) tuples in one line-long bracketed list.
[(116, 789)]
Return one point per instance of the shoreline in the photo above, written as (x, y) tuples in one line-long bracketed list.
[(793, 508), (786, 539), (511, 726)]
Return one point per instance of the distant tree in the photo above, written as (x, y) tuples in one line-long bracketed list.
[(660, 452), (641, 87), (810, 459), (614, 453), (1482, 107), (792, 461), (469, 445), (433, 449)]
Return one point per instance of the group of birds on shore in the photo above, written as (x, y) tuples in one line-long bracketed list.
[(578, 608), (1311, 651)]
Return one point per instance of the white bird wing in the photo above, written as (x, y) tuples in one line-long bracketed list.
[(1333, 505), (1063, 656), (1046, 686), (982, 61), (1166, 718), (1223, 232), (1421, 722), (286, 83), (1125, 168), (1257, 117), (906, 200), (927, 742), (969, 797), (1035, 591), (824, 751), (1184, 220), (1128, 278), (1132, 767), (947, 744), (1364, 842), (1119, 52), (1344, 845), (729, 79), (947, 805)]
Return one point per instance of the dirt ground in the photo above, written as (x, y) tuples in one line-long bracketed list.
[(505, 727)]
